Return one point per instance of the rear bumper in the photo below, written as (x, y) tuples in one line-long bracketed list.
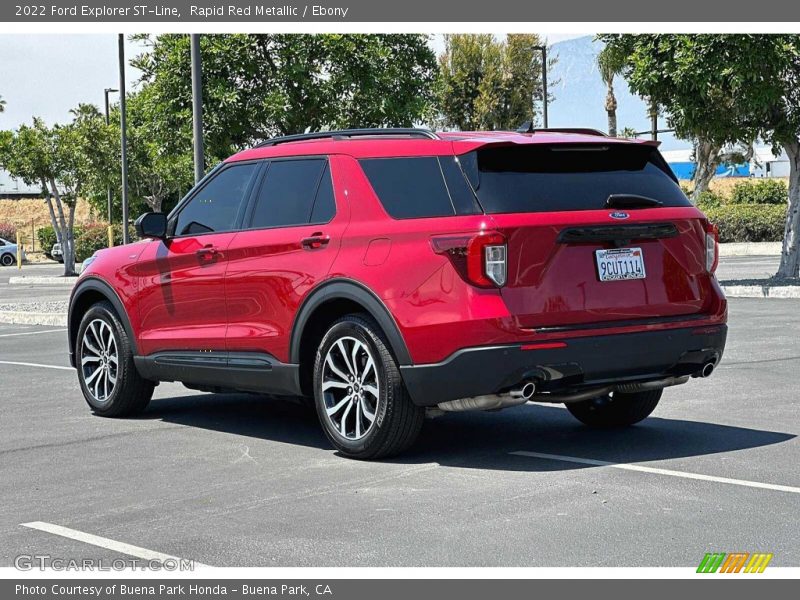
[(579, 362)]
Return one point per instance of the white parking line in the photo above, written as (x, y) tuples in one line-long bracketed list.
[(109, 544), (3, 335), (656, 471), (27, 364)]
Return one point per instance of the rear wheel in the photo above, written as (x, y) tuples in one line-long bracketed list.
[(7, 260), (109, 380), (359, 394), (615, 409)]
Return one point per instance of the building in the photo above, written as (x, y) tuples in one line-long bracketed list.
[(763, 164), (11, 187)]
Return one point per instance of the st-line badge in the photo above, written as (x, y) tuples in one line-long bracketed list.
[(734, 562)]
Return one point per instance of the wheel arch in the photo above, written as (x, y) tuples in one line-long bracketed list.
[(327, 303), (89, 291)]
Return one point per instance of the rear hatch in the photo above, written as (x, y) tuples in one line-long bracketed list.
[(598, 234)]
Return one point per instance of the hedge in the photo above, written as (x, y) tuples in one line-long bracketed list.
[(748, 222), (760, 191)]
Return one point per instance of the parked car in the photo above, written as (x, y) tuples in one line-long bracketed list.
[(57, 253), (386, 273), (8, 253)]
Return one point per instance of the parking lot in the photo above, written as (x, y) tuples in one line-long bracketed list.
[(239, 480)]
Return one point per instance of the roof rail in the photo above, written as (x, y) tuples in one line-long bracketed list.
[(351, 133), (527, 127)]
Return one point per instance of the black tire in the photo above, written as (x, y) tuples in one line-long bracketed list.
[(616, 409), (7, 260), (130, 393), (397, 420)]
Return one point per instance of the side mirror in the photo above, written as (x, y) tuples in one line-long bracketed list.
[(151, 225)]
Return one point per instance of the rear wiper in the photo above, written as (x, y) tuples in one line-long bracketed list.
[(631, 201)]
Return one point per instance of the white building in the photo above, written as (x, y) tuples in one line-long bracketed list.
[(11, 187)]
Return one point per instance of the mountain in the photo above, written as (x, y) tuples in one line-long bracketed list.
[(580, 93)]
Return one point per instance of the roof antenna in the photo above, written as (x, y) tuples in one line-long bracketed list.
[(526, 127)]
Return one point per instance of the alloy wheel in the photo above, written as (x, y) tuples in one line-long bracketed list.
[(350, 388), (99, 360)]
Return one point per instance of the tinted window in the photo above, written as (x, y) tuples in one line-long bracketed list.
[(409, 187), (287, 193), (216, 206), (559, 178), (325, 203)]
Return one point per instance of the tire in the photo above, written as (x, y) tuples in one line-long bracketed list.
[(396, 420), (7, 260), (616, 409), (120, 391)]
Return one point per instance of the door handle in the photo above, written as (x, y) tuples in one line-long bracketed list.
[(315, 241), (208, 254)]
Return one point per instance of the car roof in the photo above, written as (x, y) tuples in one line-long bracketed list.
[(443, 144)]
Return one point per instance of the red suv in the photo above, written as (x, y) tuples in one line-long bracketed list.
[(385, 273)]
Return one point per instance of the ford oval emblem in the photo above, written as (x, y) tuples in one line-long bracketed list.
[(618, 214)]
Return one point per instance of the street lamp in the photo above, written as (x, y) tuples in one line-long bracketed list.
[(123, 126), (543, 50), (197, 107), (108, 91)]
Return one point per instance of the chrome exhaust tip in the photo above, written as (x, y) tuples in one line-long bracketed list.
[(707, 369), (526, 392)]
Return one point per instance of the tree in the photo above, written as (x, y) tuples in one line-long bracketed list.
[(2, 105), (726, 90), (257, 86), (610, 62), (489, 84)]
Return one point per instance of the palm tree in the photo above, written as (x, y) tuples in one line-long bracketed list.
[(611, 62), (2, 104)]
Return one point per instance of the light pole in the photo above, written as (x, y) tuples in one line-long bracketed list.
[(197, 107), (543, 50), (108, 91), (123, 126)]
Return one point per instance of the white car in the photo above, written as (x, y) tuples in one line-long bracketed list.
[(57, 253), (8, 253)]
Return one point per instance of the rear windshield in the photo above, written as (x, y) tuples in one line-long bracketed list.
[(562, 178)]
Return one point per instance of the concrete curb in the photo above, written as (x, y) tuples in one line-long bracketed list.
[(15, 317), (37, 280), (761, 291), (751, 249)]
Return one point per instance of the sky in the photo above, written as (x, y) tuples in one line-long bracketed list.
[(48, 75)]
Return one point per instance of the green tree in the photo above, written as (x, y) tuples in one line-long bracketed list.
[(611, 61), (728, 89), (489, 84), (257, 86), (2, 105)]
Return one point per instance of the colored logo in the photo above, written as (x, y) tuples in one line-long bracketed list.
[(734, 562), (618, 214)]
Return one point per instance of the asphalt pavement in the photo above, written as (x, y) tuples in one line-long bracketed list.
[(242, 480)]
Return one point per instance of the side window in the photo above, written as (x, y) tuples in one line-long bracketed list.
[(287, 193), (409, 188), (216, 206), (325, 203)]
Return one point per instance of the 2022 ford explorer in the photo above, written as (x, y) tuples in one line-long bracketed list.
[(384, 273)]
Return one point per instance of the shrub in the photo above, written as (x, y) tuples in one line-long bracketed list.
[(8, 231), (760, 191), (47, 237), (710, 199), (749, 222), (95, 237)]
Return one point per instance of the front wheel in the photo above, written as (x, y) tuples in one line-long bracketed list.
[(7, 260), (109, 380), (362, 404), (615, 409)]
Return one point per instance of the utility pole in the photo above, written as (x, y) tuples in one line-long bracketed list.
[(543, 50), (123, 126), (108, 91), (197, 108), (653, 121)]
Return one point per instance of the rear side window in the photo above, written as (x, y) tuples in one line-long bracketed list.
[(216, 206), (411, 188), (288, 192), (565, 178)]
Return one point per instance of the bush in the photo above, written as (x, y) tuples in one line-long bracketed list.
[(749, 222), (47, 237), (8, 231), (760, 191), (95, 237), (709, 199)]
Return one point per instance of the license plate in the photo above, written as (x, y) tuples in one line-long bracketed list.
[(620, 264)]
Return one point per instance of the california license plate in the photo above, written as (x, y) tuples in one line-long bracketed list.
[(620, 264)]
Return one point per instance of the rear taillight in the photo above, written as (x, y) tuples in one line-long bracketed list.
[(712, 247), (481, 259)]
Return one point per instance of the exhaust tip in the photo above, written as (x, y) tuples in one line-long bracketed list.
[(528, 390), (708, 368)]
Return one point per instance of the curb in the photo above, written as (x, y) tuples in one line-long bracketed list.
[(761, 291), (750, 249), (15, 317), (37, 280)]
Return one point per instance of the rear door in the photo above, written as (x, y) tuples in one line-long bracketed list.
[(597, 233), (291, 238), (181, 296)]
